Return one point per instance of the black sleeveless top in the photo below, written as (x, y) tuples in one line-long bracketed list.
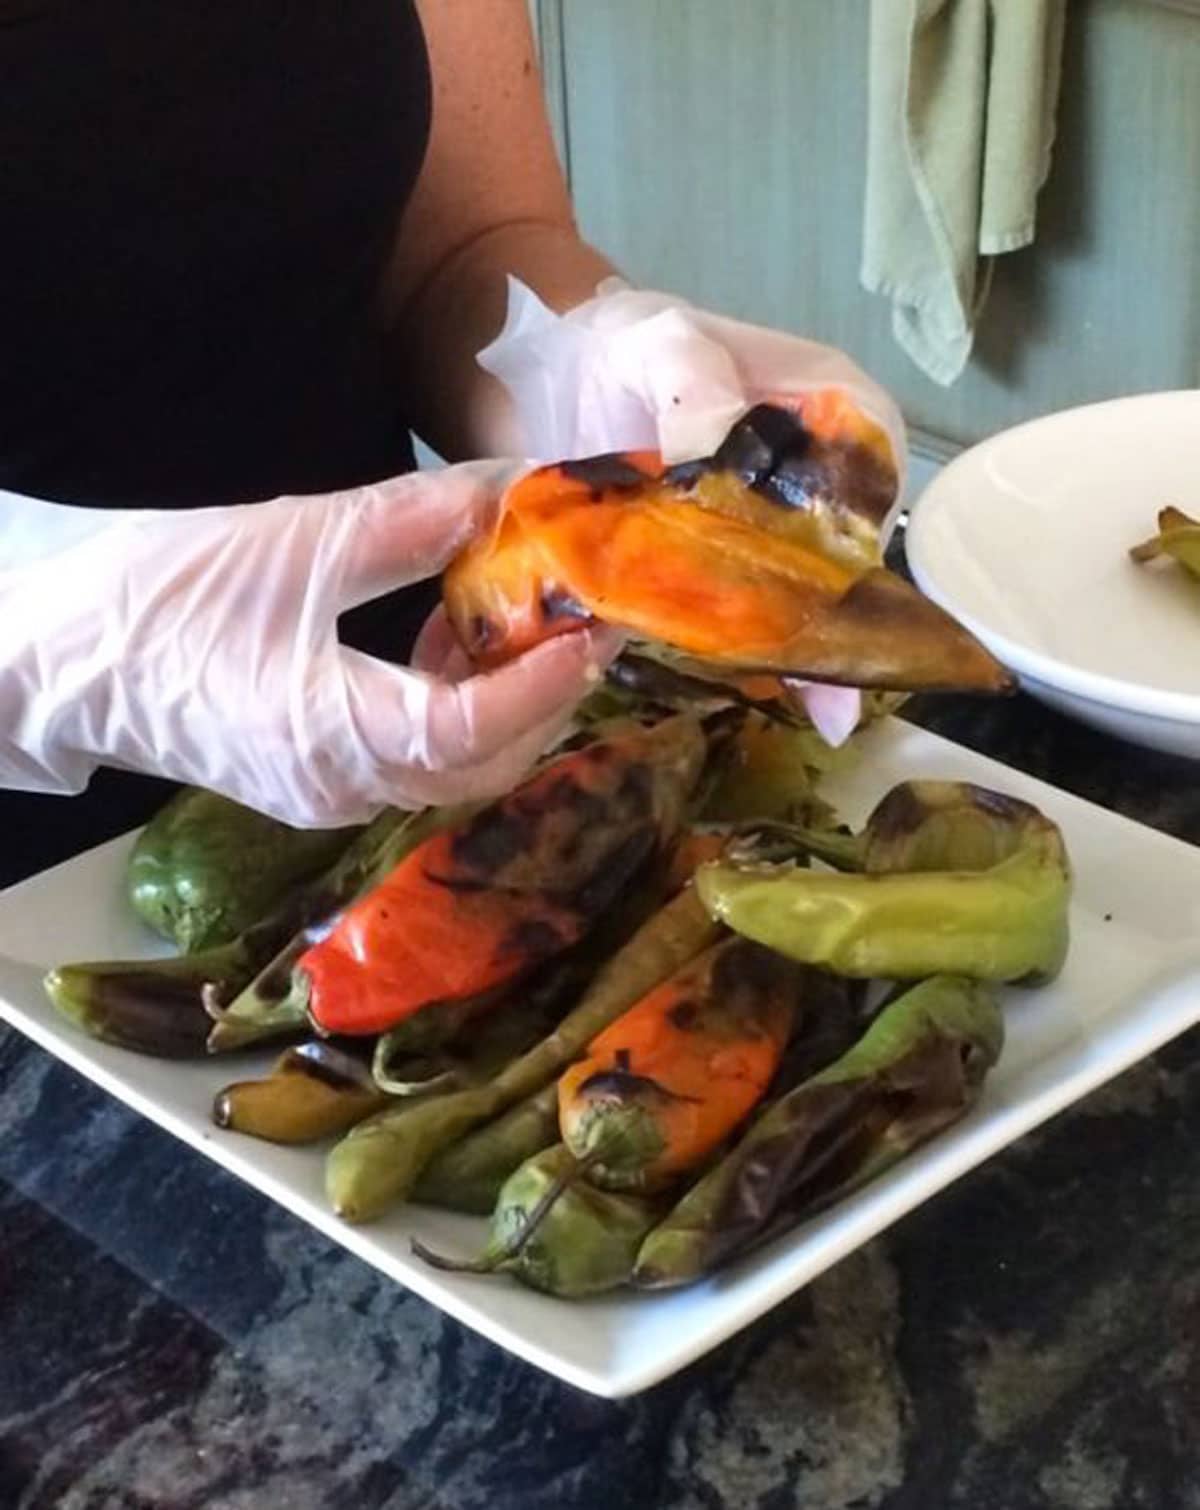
[(196, 204)]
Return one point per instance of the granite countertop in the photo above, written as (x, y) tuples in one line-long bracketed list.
[(1030, 1338)]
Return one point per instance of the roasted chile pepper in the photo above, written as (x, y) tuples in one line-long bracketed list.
[(953, 879), (918, 1068), (469, 1175), (459, 1044), (673, 1077), (205, 869), (314, 1091), (151, 1006), (566, 1239), (482, 904), (263, 1003), (163, 1007), (382, 1159), (731, 565)]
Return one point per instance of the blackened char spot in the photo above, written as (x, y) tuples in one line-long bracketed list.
[(636, 791), (621, 1085), (686, 474), (899, 814), (568, 797), (532, 939), (460, 886), (751, 971), (760, 443), (558, 604), (600, 473), (596, 893), (162, 1014), (332, 1066), (492, 840), (1000, 804), (763, 440), (796, 482)]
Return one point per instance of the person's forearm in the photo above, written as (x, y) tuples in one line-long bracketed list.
[(454, 405)]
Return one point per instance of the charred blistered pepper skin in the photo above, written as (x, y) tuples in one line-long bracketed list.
[(483, 903), (678, 1072), (381, 1160), (946, 878), (760, 559), (918, 1068)]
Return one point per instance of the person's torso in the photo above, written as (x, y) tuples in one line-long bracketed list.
[(196, 204)]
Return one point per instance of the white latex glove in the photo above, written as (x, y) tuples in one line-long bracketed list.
[(201, 645), (632, 368)]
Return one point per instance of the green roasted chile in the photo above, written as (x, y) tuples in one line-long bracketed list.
[(561, 1237), (205, 868), (456, 1044), (918, 1068), (945, 878), (469, 1175)]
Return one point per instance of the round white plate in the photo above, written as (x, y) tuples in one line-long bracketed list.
[(1025, 539)]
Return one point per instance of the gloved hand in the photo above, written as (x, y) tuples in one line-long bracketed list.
[(201, 645), (632, 368)]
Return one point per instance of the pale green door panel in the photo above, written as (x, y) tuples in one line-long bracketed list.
[(718, 148)]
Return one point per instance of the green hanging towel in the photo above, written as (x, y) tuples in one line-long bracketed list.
[(963, 96)]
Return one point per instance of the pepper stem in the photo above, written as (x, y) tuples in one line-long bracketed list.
[(496, 1256)]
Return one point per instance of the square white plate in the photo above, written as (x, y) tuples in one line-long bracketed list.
[(1132, 982)]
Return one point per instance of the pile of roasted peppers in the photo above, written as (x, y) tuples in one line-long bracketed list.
[(657, 1003)]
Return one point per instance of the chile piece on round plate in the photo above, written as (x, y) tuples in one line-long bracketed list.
[(481, 904), (765, 557)]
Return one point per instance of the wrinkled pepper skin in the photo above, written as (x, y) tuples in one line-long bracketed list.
[(152, 1007), (482, 904), (954, 879), (379, 1162), (584, 1244), (315, 1090), (732, 565), (918, 1068), (1178, 537), (204, 869), (662, 1087)]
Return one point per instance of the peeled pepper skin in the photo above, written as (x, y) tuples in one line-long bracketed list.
[(952, 878), (735, 566)]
